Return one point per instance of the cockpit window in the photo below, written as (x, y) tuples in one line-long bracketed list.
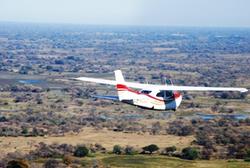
[(160, 94), (146, 91), (169, 93), (165, 94)]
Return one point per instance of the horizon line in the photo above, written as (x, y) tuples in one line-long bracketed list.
[(128, 25)]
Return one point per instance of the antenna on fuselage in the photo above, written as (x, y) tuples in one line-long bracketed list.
[(169, 82), (166, 81)]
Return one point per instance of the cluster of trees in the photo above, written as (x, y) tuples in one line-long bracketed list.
[(129, 150), (70, 153)]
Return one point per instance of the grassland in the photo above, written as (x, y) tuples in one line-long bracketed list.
[(153, 161), (161, 161), (91, 136)]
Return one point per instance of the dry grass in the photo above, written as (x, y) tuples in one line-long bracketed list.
[(89, 136)]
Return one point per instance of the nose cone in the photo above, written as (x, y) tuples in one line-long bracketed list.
[(178, 101)]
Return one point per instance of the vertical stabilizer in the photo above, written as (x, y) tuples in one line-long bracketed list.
[(119, 77), (123, 91)]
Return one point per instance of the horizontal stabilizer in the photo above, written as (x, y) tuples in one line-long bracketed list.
[(96, 80), (106, 97)]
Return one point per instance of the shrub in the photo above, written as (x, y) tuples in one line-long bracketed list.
[(17, 164), (81, 151), (45, 151), (247, 160), (169, 150), (67, 160), (150, 148), (190, 153), (156, 128), (3, 119), (51, 163), (25, 130), (248, 153), (97, 147), (117, 149), (129, 150), (206, 153)]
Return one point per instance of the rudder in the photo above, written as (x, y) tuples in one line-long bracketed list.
[(119, 77), (122, 89)]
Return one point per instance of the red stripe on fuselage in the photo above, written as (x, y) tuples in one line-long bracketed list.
[(121, 87)]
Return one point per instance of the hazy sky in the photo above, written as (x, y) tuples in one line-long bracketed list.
[(129, 12)]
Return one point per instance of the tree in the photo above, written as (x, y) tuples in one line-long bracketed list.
[(150, 148), (81, 151), (190, 153), (117, 149)]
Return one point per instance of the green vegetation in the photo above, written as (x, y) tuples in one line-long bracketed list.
[(150, 149), (81, 151), (117, 149), (138, 161), (145, 161), (142, 161), (190, 153), (129, 150)]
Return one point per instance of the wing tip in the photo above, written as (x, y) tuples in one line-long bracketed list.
[(243, 90), (79, 78)]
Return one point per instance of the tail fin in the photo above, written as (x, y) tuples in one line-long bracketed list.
[(122, 89), (119, 77)]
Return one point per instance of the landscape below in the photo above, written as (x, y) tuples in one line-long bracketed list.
[(48, 119)]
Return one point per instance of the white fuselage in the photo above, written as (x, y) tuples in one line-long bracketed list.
[(151, 99)]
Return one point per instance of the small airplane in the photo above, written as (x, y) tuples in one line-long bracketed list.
[(155, 97)]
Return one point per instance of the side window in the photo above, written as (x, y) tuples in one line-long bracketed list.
[(160, 94), (146, 91), (169, 93)]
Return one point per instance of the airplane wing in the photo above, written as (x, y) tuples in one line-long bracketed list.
[(161, 87), (97, 80), (116, 98), (183, 88)]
